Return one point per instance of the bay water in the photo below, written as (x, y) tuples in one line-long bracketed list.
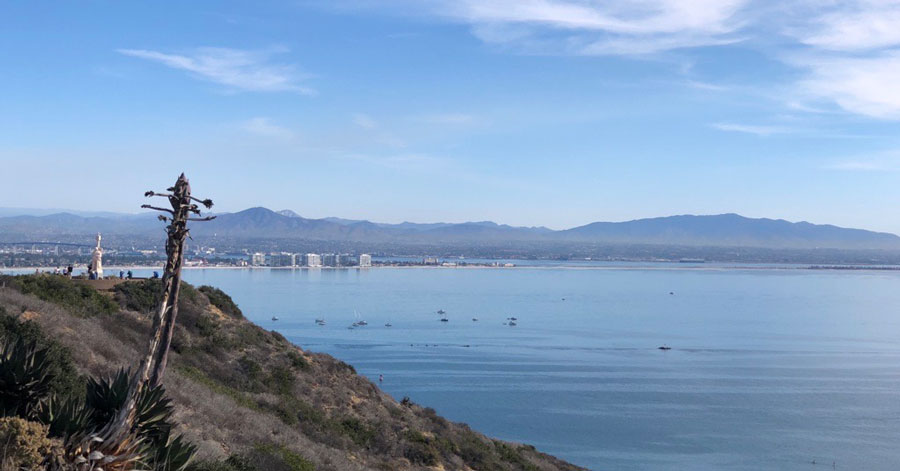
[(785, 369)]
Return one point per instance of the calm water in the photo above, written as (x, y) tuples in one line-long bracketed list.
[(769, 369)]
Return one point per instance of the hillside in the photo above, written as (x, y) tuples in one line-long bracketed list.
[(723, 230), (248, 398)]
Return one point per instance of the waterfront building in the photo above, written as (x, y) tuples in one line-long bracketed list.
[(329, 260), (258, 259), (313, 260), (346, 260), (365, 260), (282, 259)]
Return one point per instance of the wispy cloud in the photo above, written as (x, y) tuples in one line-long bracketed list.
[(863, 85), (235, 68), (847, 52), (262, 126), (757, 130), (852, 58), (854, 25), (601, 27)]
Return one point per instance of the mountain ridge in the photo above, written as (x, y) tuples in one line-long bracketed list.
[(720, 230)]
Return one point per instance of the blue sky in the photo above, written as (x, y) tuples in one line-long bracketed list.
[(527, 112)]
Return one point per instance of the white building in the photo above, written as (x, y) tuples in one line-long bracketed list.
[(365, 260), (258, 259), (313, 260)]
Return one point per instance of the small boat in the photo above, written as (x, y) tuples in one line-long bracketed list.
[(474, 319), (274, 318), (512, 319), (512, 324), (441, 312), (389, 325), (664, 347), (320, 321), (362, 323), (444, 319)]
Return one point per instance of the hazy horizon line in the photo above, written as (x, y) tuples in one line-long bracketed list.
[(100, 213)]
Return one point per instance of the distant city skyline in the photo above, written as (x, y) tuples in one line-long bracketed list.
[(553, 113)]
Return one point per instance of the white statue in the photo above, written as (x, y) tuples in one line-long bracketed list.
[(97, 259)]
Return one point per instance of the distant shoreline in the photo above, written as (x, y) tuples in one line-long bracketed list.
[(712, 266)]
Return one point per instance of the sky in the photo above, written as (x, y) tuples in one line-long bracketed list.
[(549, 113)]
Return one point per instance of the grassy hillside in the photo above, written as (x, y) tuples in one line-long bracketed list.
[(248, 398)]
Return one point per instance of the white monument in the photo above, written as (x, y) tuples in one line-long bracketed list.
[(97, 259)]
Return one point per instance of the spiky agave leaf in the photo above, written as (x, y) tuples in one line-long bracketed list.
[(175, 454), (25, 377), (65, 418), (153, 410), (105, 396)]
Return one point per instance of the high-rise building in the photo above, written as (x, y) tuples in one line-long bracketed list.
[(346, 260), (258, 259), (313, 260), (329, 260), (365, 260), (282, 259)]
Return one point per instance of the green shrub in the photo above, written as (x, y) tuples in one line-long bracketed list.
[(198, 376), (511, 455), (221, 300), (76, 298), (206, 325), (25, 444), (139, 295), (281, 380), (266, 457), (357, 430), (297, 360), (420, 454)]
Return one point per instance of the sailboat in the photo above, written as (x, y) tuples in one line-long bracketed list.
[(274, 318), (359, 321)]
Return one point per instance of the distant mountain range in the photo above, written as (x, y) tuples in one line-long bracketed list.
[(723, 230)]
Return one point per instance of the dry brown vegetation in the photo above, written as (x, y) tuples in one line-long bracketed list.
[(245, 395)]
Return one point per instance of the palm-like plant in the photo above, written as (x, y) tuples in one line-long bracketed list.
[(65, 417), (25, 378), (106, 396)]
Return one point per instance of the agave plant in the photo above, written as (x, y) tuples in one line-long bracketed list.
[(106, 396), (174, 454), (65, 418), (25, 377)]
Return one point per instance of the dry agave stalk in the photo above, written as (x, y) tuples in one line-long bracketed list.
[(116, 446)]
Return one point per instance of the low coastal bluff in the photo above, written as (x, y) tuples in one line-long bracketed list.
[(247, 397)]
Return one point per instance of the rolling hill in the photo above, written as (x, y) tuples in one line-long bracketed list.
[(723, 230)]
